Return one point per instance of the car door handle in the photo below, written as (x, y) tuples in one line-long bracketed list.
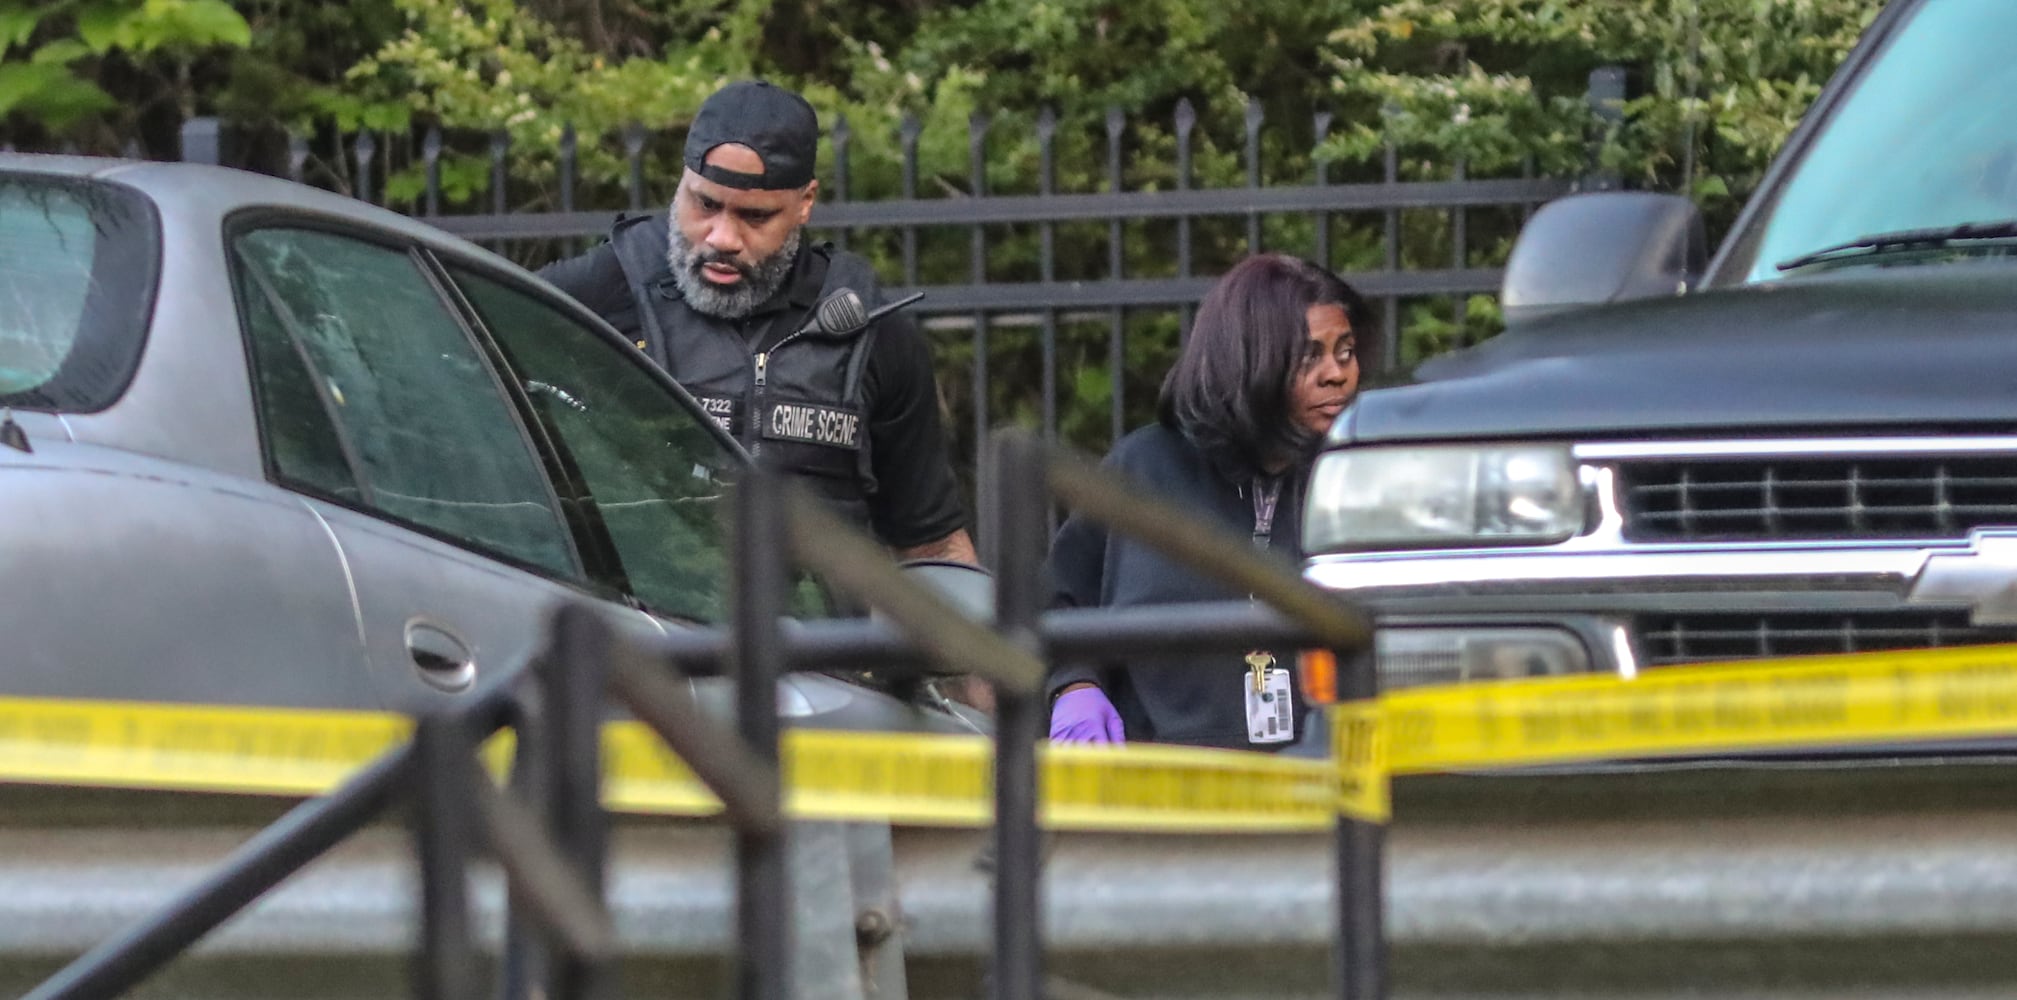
[(443, 659)]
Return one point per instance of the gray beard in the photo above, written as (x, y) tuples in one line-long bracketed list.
[(758, 283)]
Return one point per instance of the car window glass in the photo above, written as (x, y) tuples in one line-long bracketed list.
[(654, 474), (435, 440), (49, 241), (1927, 139), (78, 261), (301, 441)]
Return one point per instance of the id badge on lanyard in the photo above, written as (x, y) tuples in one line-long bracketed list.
[(1270, 708)]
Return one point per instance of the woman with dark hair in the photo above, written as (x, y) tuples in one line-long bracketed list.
[(1272, 359)]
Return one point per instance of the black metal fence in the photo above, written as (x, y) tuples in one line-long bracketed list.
[(549, 832), (1139, 260)]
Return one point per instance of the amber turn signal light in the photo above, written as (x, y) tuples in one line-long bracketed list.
[(1317, 669)]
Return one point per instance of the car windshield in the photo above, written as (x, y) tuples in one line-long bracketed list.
[(75, 291), (1926, 139)]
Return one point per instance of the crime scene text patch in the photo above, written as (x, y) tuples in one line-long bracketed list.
[(812, 424)]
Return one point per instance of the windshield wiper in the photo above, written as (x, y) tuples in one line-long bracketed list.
[(1905, 239)]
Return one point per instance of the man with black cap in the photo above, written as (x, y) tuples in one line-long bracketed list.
[(722, 293)]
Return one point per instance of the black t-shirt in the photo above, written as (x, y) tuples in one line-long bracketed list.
[(916, 499)]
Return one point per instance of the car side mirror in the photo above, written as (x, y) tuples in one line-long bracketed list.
[(1610, 246)]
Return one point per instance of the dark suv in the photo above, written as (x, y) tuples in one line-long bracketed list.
[(1807, 444)]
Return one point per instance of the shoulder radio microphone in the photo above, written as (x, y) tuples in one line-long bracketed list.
[(843, 313)]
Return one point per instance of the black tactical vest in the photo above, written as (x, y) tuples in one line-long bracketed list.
[(789, 395)]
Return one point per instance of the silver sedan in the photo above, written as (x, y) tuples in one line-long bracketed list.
[(268, 445)]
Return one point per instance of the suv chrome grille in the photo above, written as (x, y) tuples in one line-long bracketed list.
[(1816, 499), (1666, 640)]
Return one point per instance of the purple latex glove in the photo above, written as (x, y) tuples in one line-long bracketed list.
[(1085, 715)]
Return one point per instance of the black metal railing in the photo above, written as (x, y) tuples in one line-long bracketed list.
[(549, 833)]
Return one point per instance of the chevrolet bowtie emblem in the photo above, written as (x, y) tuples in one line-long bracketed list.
[(1985, 577)]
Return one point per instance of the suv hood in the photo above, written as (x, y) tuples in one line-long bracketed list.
[(1871, 348)]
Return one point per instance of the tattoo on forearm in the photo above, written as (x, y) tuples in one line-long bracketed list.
[(955, 547)]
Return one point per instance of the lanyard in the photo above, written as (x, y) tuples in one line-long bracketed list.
[(1265, 499), (1260, 661)]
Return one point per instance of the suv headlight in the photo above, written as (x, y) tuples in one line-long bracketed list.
[(1415, 497)]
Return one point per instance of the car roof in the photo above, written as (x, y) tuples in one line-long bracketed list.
[(228, 189), (49, 163)]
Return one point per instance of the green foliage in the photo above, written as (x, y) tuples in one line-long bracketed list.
[(1713, 88), (48, 89), (154, 25), (1498, 84), (491, 66), (293, 73), (1716, 84), (66, 42), (134, 70)]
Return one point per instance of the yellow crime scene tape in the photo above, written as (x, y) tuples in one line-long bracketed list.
[(1819, 701), (902, 778), (1858, 699), (949, 781)]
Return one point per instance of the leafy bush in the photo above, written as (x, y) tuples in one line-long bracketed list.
[(1498, 85)]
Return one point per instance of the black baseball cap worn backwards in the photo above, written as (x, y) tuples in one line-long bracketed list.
[(778, 124)]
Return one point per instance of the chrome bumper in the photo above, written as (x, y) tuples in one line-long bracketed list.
[(1599, 596), (1593, 591), (1887, 570)]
